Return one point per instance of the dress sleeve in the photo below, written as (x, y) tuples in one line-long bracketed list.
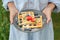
[(57, 3), (5, 2)]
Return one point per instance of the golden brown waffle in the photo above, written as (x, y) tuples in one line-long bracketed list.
[(22, 20)]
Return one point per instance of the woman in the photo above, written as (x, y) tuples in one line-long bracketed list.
[(46, 6)]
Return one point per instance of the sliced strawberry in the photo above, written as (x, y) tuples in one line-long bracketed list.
[(33, 20), (29, 18)]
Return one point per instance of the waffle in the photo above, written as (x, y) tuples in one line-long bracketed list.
[(22, 20)]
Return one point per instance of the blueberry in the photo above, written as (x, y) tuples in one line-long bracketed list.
[(20, 26), (27, 29), (35, 14), (20, 19), (28, 15)]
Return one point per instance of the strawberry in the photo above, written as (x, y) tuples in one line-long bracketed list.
[(29, 18), (33, 20)]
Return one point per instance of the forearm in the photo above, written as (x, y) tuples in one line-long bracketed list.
[(13, 11)]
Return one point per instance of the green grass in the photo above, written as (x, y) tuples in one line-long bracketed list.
[(56, 24), (4, 24)]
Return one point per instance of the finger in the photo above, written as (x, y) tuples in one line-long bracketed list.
[(48, 20), (11, 19)]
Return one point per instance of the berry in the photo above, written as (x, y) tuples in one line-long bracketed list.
[(33, 20), (29, 18)]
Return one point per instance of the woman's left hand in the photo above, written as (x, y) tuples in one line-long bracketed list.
[(47, 13), (48, 10)]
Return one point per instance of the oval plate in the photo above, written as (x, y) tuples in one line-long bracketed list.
[(29, 20)]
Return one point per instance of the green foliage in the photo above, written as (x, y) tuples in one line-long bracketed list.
[(4, 24), (56, 24)]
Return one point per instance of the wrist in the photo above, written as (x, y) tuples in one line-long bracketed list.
[(11, 6), (51, 6)]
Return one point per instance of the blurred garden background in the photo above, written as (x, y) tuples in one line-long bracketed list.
[(4, 24)]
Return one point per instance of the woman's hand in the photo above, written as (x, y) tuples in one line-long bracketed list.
[(48, 10), (13, 11), (47, 13)]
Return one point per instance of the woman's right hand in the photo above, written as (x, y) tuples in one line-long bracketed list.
[(13, 11)]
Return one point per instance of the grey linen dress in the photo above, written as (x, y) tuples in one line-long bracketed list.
[(45, 33)]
